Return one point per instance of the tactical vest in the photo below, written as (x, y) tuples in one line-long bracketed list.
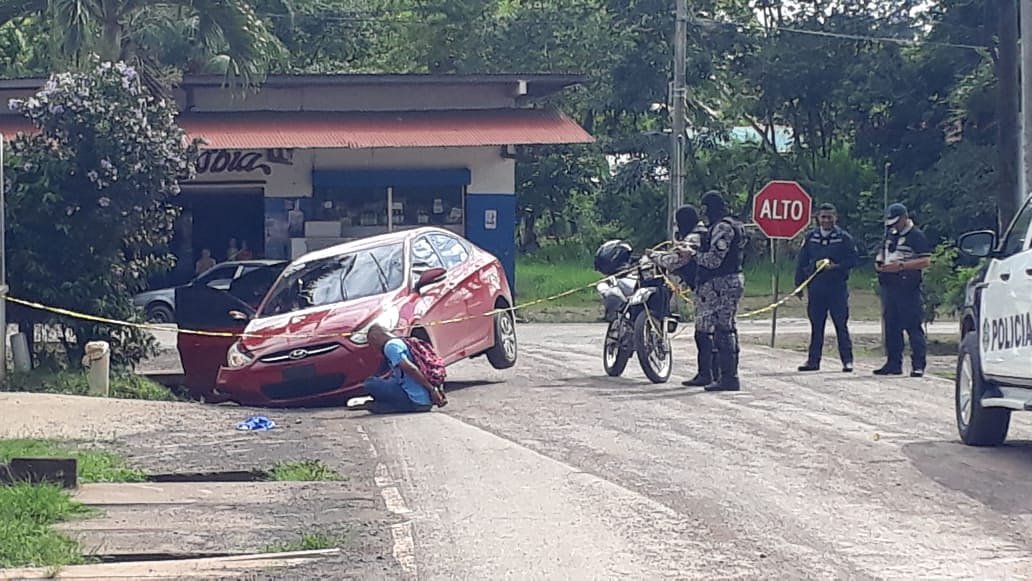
[(734, 260)]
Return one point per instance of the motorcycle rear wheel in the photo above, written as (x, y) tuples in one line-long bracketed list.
[(614, 356)]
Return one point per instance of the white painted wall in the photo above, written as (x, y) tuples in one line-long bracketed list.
[(490, 172)]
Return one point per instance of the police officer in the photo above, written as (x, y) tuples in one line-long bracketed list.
[(720, 287), (904, 254), (829, 291)]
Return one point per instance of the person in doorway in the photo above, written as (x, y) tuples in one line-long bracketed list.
[(720, 287), (232, 251), (405, 388), (905, 253), (828, 292), (205, 263), (245, 251)]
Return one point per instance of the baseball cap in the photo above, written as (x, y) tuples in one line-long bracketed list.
[(894, 213)]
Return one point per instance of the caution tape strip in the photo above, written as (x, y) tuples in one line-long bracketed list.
[(227, 334), (155, 327)]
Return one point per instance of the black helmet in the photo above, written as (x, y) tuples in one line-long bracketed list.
[(612, 257)]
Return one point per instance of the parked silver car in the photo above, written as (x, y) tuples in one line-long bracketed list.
[(159, 304)]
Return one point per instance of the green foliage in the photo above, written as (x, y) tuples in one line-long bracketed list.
[(27, 513), (304, 471), (307, 542), (123, 385), (945, 282), (92, 465), (88, 201)]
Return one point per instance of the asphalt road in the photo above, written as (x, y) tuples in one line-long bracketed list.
[(552, 470)]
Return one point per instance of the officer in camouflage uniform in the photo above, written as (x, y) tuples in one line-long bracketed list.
[(720, 285)]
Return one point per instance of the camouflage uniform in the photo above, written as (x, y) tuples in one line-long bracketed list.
[(720, 290)]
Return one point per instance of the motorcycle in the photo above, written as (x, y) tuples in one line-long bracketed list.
[(637, 308)]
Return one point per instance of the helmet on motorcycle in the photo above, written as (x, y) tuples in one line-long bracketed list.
[(612, 257)]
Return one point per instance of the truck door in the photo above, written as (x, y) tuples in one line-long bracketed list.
[(1006, 304)]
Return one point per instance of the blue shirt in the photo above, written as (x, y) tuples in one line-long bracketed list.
[(395, 351)]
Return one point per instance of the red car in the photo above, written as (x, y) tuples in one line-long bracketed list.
[(311, 346)]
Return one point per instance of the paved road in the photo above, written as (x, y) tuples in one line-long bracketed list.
[(552, 470)]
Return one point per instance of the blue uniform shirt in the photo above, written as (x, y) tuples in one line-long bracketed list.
[(837, 246), (395, 351)]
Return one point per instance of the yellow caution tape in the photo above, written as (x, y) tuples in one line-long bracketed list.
[(155, 327)]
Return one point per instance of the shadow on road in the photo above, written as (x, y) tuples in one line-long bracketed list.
[(995, 477)]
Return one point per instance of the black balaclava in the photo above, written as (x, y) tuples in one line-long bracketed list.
[(687, 219), (713, 206)]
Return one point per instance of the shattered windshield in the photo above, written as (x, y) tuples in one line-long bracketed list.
[(336, 279)]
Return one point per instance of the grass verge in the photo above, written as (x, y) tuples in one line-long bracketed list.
[(93, 465), (304, 471), (307, 542), (123, 385), (27, 513)]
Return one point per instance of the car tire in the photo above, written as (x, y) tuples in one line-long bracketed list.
[(160, 314), (978, 426), (505, 351)]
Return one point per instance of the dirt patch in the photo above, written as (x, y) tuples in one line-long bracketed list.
[(942, 350), (163, 438)]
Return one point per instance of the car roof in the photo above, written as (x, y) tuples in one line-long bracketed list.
[(373, 242)]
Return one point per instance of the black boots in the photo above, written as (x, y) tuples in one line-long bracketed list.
[(727, 359), (707, 361)]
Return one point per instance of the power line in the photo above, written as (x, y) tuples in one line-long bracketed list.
[(847, 36)]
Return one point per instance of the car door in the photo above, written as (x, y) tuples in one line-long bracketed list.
[(462, 271), (435, 302), (219, 277), (1006, 303), (202, 308)]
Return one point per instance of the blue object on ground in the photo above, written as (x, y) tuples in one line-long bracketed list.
[(256, 424)]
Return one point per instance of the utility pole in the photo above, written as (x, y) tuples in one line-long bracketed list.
[(3, 264), (678, 95), (1025, 175)]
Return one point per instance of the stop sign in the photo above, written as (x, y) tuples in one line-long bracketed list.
[(782, 209)]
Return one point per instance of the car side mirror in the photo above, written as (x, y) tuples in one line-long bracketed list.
[(979, 244), (429, 277), (239, 316)]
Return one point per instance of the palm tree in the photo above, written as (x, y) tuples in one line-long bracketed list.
[(160, 38)]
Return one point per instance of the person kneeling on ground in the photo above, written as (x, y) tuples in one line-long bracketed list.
[(404, 388)]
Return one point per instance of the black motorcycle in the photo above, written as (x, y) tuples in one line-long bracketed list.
[(636, 297)]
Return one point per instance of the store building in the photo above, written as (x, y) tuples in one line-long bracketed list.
[(312, 161)]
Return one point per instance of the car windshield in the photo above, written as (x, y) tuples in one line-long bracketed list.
[(336, 279)]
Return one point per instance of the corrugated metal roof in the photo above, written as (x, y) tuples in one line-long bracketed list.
[(310, 130)]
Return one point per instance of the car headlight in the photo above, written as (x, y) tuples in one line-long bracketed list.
[(387, 319), (238, 356)]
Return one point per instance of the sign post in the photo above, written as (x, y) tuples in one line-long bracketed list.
[(781, 210)]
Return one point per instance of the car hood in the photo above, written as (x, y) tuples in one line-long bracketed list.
[(314, 325)]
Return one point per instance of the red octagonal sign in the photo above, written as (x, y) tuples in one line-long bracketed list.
[(782, 209)]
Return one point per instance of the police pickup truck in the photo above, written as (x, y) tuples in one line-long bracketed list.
[(994, 365)]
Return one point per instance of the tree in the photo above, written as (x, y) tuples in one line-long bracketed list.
[(158, 39), (89, 201)]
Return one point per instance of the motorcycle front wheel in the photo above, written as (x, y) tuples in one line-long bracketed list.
[(652, 344), (614, 356)]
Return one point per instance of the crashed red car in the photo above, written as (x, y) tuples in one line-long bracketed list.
[(305, 342)]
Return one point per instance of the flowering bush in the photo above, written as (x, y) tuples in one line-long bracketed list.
[(88, 200)]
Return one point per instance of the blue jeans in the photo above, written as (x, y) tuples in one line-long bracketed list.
[(390, 398)]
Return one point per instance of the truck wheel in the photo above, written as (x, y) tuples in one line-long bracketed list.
[(978, 426)]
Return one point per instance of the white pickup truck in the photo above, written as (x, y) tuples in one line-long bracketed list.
[(994, 364)]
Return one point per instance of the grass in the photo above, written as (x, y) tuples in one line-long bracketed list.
[(123, 385), (304, 471), (93, 465), (27, 513), (307, 542)]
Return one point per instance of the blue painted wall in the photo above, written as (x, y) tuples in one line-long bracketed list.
[(500, 241)]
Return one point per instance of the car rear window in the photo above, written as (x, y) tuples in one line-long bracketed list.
[(345, 277)]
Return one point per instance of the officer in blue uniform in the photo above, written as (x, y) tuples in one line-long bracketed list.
[(904, 254), (828, 293)]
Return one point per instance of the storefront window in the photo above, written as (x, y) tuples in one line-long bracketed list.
[(427, 206)]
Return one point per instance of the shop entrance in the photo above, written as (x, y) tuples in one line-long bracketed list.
[(213, 217)]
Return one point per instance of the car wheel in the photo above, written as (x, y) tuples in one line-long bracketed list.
[(503, 354), (160, 313), (978, 426)]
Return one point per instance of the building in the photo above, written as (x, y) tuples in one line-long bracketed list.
[(312, 161)]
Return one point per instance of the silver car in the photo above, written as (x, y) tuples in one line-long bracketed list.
[(159, 304)]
